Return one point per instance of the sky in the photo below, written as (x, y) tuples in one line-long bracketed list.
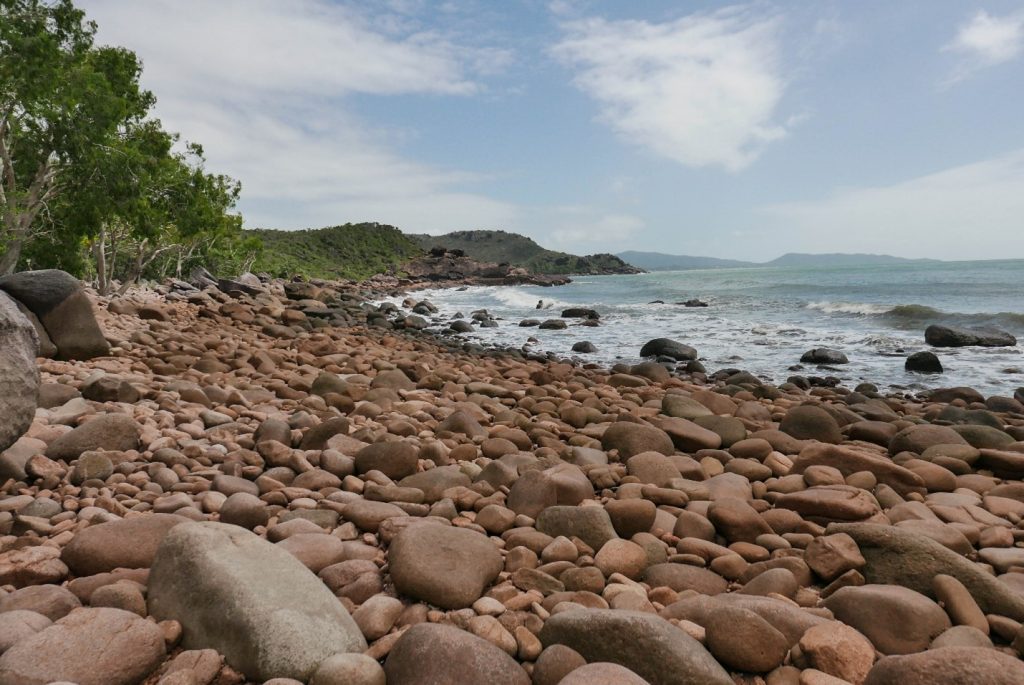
[(739, 131)]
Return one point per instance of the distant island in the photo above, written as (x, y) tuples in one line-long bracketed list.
[(658, 261)]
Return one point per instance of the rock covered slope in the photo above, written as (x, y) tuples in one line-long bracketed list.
[(521, 251), (259, 488)]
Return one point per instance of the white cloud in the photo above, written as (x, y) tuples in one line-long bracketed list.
[(986, 41), (972, 211), (701, 90), (264, 86), (582, 229)]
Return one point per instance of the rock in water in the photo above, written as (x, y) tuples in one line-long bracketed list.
[(923, 362), (251, 601), (951, 336), (86, 647), (665, 347), (823, 355), (64, 310), (435, 653), (19, 378), (648, 645)]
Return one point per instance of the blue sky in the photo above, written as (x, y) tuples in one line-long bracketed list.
[(728, 130)]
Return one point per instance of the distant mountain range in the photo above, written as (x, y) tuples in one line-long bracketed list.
[(658, 261)]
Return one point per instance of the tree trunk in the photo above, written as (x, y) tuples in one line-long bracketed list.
[(99, 250), (9, 259)]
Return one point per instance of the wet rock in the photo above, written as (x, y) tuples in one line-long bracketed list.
[(938, 335), (664, 347), (824, 356), (923, 362)]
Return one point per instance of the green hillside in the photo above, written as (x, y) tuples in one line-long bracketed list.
[(354, 251), (518, 250)]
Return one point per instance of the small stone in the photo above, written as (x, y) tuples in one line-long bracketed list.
[(349, 669), (839, 651)]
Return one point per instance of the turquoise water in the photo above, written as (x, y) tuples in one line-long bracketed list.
[(763, 319)]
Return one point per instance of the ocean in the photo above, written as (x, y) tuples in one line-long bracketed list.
[(763, 319)]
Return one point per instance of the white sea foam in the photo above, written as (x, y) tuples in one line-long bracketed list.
[(517, 298), (862, 308)]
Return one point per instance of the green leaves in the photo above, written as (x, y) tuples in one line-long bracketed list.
[(82, 163)]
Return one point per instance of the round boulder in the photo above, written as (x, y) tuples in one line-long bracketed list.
[(437, 653), (808, 422), (923, 362), (664, 347), (443, 565)]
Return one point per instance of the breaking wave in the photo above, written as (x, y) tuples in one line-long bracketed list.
[(906, 314), (518, 299)]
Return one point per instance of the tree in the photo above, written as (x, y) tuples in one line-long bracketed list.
[(138, 202), (62, 103)]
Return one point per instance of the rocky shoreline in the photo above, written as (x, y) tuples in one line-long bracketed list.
[(281, 482)]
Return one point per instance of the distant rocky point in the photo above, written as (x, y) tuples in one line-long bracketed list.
[(519, 250), (658, 261)]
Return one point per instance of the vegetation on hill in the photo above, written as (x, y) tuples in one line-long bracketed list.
[(511, 248), (354, 251)]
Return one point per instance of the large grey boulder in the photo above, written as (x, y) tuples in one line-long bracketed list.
[(896, 556), (19, 377), (63, 309), (645, 644), (250, 600)]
